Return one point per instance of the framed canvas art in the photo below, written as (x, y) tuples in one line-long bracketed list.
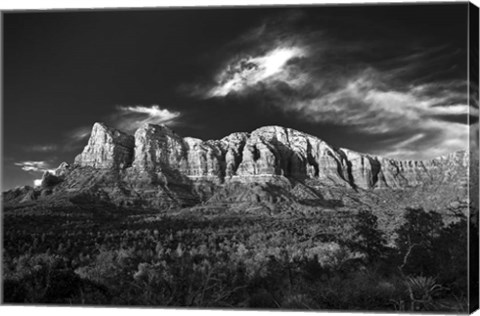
[(294, 158)]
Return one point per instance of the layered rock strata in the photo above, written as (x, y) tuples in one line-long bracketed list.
[(266, 154), (107, 148), (157, 168)]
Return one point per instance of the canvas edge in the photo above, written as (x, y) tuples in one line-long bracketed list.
[(473, 78)]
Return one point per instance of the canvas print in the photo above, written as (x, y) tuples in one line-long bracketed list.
[(320, 157)]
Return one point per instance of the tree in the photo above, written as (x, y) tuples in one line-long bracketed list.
[(416, 240), (368, 238), (451, 249)]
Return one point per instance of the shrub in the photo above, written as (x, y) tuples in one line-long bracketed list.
[(422, 290), (361, 290), (110, 268), (40, 278)]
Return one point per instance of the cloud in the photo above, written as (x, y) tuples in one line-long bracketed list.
[(41, 148), (434, 139), (410, 98), (37, 182), (130, 118), (365, 100), (79, 134), (126, 118), (369, 106), (249, 71), (76, 139), (34, 166)]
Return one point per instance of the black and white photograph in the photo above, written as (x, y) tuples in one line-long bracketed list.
[(310, 157)]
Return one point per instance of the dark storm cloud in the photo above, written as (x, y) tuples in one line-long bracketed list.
[(412, 93)]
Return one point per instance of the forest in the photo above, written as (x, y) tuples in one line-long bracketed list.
[(323, 261)]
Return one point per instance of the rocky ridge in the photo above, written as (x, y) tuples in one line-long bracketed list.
[(262, 155), (158, 168)]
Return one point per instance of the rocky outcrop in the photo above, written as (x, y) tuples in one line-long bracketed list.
[(158, 168), (203, 160), (233, 146), (266, 155), (362, 170), (50, 179), (62, 170), (157, 147), (107, 148), (20, 195)]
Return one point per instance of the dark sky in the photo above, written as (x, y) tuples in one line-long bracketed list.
[(388, 80)]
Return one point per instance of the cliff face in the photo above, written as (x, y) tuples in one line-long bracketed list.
[(107, 148), (262, 155), (158, 168)]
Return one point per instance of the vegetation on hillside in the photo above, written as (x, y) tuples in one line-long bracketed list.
[(324, 261)]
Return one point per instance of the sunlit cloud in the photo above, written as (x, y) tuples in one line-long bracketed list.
[(34, 166), (130, 118), (316, 78), (249, 71)]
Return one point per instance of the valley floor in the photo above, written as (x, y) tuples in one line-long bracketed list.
[(223, 259)]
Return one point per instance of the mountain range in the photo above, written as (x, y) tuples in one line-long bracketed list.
[(271, 169)]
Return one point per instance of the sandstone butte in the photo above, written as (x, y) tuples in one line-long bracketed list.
[(158, 168)]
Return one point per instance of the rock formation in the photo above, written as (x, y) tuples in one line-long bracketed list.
[(158, 168), (107, 148)]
